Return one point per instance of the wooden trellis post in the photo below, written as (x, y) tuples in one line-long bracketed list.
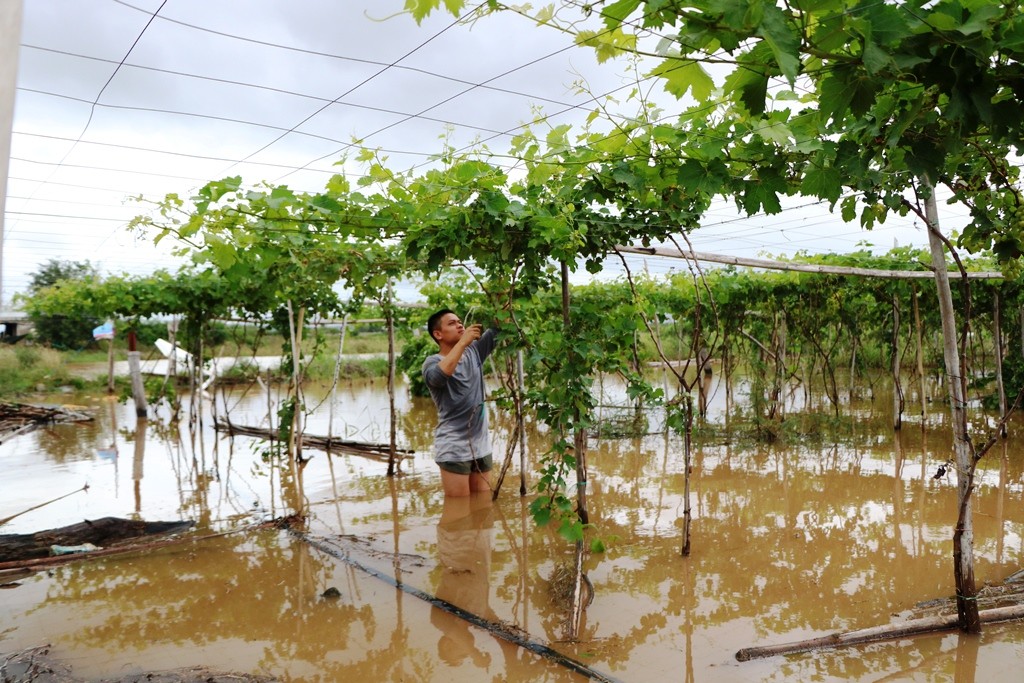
[(997, 339), (579, 437)]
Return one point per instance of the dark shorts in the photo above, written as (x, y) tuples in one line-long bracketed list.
[(484, 464)]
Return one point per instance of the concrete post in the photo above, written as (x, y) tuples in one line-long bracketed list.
[(10, 39)]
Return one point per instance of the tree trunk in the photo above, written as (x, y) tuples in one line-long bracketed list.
[(963, 536), (296, 322), (687, 459)]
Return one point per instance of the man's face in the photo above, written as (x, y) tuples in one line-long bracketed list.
[(449, 329)]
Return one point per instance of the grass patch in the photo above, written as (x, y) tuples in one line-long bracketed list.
[(28, 369)]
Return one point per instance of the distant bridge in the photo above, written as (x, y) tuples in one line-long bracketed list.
[(13, 325)]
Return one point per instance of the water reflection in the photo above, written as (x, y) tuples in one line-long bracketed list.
[(137, 461), (967, 647), (464, 533), (789, 541)]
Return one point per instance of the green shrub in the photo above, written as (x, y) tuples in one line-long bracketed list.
[(27, 356), (410, 361)]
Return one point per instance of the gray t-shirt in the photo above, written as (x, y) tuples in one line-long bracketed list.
[(461, 433)]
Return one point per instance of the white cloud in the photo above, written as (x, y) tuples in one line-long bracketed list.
[(172, 95)]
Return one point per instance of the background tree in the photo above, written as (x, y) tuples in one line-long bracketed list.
[(68, 329)]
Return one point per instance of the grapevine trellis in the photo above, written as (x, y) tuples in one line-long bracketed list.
[(867, 107), (766, 325), (785, 325)]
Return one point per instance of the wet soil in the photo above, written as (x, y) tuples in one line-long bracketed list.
[(35, 665)]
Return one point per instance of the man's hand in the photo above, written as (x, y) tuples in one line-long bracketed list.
[(471, 334), (451, 359)]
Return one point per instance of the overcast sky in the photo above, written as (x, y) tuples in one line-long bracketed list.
[(144, 97)]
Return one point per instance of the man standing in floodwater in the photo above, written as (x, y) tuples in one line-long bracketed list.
[(455, 377)]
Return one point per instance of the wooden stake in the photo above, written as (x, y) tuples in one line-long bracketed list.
[(135, 370), (897, 388), (110, 366), (997, 338), (920, 356), (687, 444), (520, 424), (389, 314)]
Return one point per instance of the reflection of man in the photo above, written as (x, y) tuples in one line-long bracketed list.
[(464, 555)]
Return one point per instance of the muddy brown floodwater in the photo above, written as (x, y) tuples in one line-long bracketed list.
[(789, 541)]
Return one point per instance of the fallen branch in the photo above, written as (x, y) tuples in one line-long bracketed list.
[(19, 418), (887, 632), (101, 532), (378, 452), (15, 567)]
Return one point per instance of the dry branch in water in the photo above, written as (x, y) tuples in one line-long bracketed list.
[(913, 627), (105, 531), (19, 418), (377, 452)]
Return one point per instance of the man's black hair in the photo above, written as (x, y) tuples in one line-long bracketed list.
[(435, 320)]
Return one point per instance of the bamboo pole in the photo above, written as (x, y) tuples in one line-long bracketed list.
[(851, 388), (876, 633), (392, 410), (997, 337), (897, 388), (334, 379), (797, 267), (920, 355), (296, 322), (579, 440), (327, 444), (578, 599), (520, 422)]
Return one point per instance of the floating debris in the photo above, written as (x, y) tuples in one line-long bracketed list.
[(20, 418)]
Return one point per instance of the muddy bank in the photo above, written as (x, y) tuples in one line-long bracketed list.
[(37, 665)]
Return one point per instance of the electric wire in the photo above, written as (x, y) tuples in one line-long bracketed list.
[(98, 104)]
